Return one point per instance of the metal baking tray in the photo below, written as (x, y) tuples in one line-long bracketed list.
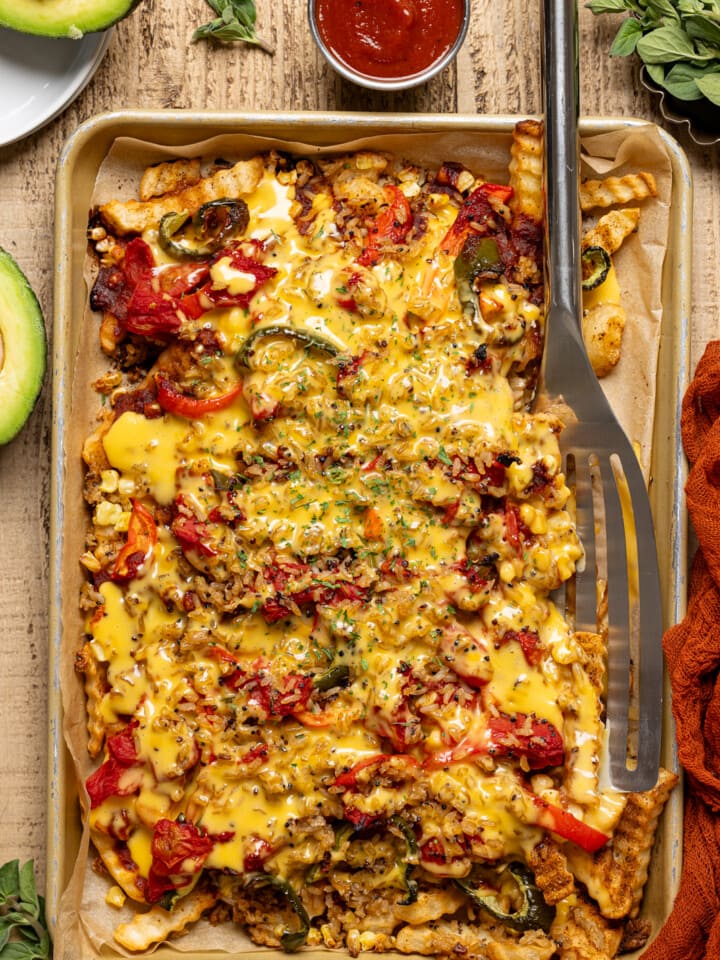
[(77, 170)]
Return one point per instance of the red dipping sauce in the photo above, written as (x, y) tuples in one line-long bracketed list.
[(389, 39)]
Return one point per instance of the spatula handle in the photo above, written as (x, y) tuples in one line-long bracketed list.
[(561, 96)]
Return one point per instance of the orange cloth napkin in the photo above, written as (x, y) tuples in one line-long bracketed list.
[(692, 651)]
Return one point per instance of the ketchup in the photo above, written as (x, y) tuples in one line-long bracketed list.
[(389, 38)]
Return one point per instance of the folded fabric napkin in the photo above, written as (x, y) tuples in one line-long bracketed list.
[(692, 652)]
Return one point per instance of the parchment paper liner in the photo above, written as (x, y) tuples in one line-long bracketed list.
[(85, 923)]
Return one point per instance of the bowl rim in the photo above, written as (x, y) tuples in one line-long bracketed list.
[(389, 83)]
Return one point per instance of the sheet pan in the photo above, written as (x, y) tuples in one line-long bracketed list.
[(77, 170)]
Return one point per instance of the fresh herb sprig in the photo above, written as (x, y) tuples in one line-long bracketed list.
[(235, 21), (677, 40), (23, 930)]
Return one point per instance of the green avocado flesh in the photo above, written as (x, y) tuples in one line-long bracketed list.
[(63, 18), (23, 349)]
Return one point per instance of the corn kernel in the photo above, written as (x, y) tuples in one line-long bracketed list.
[(115, 897), (90, 562), (328, 936), (507, 571), (109, 481), (107, 514)]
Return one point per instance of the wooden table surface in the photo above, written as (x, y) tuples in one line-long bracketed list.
[(152, 63)]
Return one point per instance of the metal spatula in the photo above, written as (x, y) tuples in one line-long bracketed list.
[(613, 512)]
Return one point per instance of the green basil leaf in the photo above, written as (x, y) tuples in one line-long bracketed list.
[(607, 6), (691, 6), (666, 45), (662, 8), (44, 945), (9, 880), (681, 81), (245, 11), (220, 30), (6, 928), (626, 38), (656, 72), (17, 918), (28, 893), (710, 87), (703, 28), (18, 950), (235, 23)]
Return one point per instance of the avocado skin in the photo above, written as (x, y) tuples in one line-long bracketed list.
[(24, 352), (64, 18)]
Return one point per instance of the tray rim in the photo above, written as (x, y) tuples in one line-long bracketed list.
[(175, 127)]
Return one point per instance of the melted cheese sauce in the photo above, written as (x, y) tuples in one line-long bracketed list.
[(372, 461)]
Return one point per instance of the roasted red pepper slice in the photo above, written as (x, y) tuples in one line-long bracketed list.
[(467, 747), (476, 574), (282, 701), (391, 225), (208, 298), (180, 279), (514, 527), (433, 851), (529, 640), (348, 780), (141, 540), (259, 852), (567, 826), (397, 567), (450, 512), (281, 576), (520, 735), (175, 401), (193, 534), (359, 819), (475, 215), (258, 752)]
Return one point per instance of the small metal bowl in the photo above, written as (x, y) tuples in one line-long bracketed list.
[(389, 83)]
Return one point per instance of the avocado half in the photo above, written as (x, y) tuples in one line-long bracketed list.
[(23, 348), (63, 18)]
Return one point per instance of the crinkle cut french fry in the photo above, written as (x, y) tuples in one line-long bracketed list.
[(603, 326), (616, 875), (549, 864), (612, 229), (134, 216), (526, 171), (169, 178), (156, 926), (615, 190)]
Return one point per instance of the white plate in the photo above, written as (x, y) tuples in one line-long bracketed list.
[(40, 76)]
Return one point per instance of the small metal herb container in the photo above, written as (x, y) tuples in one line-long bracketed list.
[(388, 83)]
